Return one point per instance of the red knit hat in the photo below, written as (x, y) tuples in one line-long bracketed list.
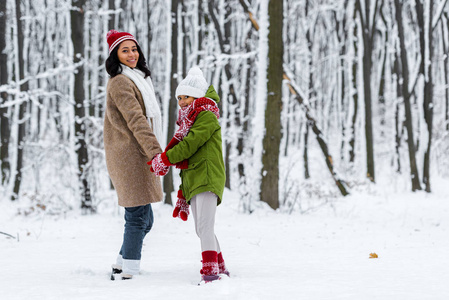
[(114, 38)]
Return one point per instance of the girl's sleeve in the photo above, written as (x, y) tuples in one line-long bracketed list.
[(203, 128)]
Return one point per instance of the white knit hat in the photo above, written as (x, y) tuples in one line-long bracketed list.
[(194, 85)]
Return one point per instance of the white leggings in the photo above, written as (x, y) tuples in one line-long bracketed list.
[(203, 207)]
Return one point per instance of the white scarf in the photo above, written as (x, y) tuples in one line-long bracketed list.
[(145, 86)]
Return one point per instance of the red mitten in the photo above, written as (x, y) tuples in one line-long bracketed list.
[(182, 208), (159, 166)]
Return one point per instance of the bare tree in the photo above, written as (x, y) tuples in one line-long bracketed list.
[(4, 120), (406, 96), (168, 179), (399, 128), (426, 71), (23, 105), (272, 139), (446, 66), (111, 22), (342, 33), (311, 95), (355, 96), (77, 24), (368, 22)]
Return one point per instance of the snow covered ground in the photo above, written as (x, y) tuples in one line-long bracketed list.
[(323, 254)]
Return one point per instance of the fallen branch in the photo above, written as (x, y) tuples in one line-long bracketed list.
[(305, 107), (7, 234), (319, 136)]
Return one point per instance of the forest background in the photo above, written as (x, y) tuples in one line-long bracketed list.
[(319, 98)]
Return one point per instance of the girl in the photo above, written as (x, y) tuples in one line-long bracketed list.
[(196, 149), (132, 128)]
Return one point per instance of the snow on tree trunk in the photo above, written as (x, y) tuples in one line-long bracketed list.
[(5, 170), (77, 22), (172, 103), (406, 96), (22, 105)]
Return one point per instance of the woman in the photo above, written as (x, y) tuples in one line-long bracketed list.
[(132, 129)]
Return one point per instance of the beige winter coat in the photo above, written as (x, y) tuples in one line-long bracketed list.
[(129, 144)]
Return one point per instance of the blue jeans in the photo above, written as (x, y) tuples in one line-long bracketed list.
[(139, 221)]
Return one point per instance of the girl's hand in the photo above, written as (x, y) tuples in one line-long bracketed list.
[(182, 208)]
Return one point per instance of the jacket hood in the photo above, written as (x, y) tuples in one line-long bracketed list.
[(212, 94)]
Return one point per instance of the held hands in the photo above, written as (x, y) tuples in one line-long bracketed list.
[(182, 208), (158, 166)]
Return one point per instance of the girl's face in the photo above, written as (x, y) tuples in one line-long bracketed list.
[(127, 53), (184, 101)]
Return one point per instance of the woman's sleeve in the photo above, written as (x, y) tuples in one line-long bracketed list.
[(125, 99)]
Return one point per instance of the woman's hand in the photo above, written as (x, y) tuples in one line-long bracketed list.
[(158, 166)]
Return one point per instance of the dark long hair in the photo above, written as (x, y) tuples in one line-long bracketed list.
[(114, 68)]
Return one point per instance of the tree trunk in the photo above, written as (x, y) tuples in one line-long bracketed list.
[(398, 126), (172, 103), (355, 96), (306, 151), (226, 47), (111, 22), (200, 16), (244, 135), (185, 38), (123, 16), (367, 34), (22, 107), (446, 69), (77, 24), (311, 94), (271, 141), (408, 113), (426, 71), (382, 83), (342, 36), (4, 120), (233, 98)]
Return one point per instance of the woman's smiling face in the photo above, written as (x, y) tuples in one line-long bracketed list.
[(128, 54)]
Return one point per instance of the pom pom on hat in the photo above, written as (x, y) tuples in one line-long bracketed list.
[(194, 85), (114, 38), (195, 71), (111, 32)]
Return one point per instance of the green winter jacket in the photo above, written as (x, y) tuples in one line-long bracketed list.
[(202, 147)]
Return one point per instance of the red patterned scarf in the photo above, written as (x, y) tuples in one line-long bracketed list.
[(187, 116)]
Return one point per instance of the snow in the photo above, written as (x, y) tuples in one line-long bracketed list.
[(271, 255)]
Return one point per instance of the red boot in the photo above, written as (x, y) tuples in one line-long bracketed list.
[(221, 265), (209, 272)]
